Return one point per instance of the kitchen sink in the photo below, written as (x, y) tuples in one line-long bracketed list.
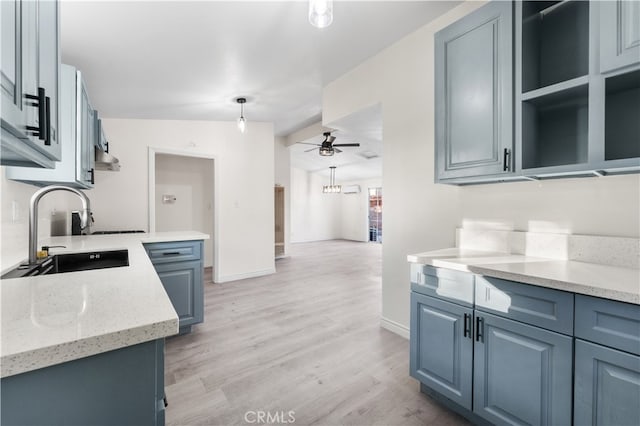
[(72, 262)]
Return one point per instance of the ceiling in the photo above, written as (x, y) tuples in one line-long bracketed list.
[(189, 60), (353, 163)]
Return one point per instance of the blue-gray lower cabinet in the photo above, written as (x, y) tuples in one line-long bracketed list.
[(120, 387), (522, 374), (607, 386), (441, 347), (180, 268), (493, 369), (183, 283)]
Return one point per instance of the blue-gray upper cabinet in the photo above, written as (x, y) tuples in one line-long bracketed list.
[(180, 268), (522, 374), (607, 386), (77, 134), (473, 96), (30, 83), (619, 34), (441, 348)]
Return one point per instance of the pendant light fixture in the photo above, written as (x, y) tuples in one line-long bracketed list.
[(320, 13), (242, 122), (332, 188)]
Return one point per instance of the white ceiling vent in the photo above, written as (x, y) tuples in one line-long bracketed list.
[(368, 154)]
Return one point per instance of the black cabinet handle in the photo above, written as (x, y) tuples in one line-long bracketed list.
[(106, 147), (506, 160), (93, 176), (467, 326), (479, 329), (47, 107), (166, 402), (41, 104), (171, 253)]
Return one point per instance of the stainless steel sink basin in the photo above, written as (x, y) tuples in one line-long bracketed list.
[(71, 262)]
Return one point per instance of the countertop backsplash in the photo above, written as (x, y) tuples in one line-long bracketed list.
[(603, 250)]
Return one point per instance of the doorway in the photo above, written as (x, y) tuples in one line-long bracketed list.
[(278, 198), (375, 215), (182, 196)]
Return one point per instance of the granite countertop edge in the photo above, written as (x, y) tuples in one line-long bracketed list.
[(590, 279)]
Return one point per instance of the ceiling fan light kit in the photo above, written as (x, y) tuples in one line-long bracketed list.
[(320, 13), (327, 147), (326, 152), (242, 122), (332, 188)]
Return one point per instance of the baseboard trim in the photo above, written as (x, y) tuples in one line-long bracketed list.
[(395, 327), (236, 277)]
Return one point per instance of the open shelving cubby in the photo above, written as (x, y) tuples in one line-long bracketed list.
[(555, 83), (555, 42), (622, 112), (555, 128)]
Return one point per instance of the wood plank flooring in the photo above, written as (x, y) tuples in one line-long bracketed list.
[(307, 340)]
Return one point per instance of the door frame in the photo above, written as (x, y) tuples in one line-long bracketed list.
[(152, 151)]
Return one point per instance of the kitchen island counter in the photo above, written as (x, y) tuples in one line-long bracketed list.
[(51, 319)]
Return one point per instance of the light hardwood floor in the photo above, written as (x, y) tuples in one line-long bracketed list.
[(306, 339)]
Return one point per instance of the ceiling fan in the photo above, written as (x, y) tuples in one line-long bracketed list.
[(327, 147)]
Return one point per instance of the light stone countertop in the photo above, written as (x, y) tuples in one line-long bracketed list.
[(609, 282), (51, 319)]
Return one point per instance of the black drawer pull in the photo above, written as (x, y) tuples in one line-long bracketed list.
[(171, 253), (41, 104), (93, 176), (479, 331), (467, 326)]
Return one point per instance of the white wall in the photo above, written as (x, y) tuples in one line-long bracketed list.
[(244, 175), (419, 215), (282, 177), (314, 215), (14, 234), (317, 216), (190, 180), (354, 210)]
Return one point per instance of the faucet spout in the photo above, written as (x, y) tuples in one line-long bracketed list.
[(33, 215)]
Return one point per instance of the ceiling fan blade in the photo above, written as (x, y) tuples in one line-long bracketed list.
[(305, 143), (330, 139), (309, 150), (337, 150), (346, 144)]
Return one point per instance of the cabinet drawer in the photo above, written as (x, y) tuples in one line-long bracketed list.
[(543, 307), (443, 283), (610, 323), (176, 251)]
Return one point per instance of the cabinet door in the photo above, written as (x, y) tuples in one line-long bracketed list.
[(24, 70), (522, 374), (183, 283), (607, 386), (473, 90), (11, 73), (440, 353), (49, 68), (86, 159), (619, 34)]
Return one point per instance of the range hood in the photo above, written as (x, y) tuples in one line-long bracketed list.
[(106, 161)]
